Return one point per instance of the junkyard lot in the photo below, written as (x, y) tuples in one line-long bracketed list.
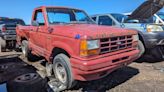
[(137, 77)]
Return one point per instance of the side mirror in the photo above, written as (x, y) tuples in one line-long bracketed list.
[(35, 23)]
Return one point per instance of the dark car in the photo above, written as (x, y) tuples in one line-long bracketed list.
[(8, 33)]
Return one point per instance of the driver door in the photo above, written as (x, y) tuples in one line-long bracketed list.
[(38, 34)]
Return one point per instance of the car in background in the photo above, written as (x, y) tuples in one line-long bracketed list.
[(8, 33), (151, 35)]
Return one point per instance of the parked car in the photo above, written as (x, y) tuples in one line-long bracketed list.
[(151, 35), (8, 33), (74, 46)]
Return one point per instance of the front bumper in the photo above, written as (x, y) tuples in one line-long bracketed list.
[(86, 70), (9, 37), (153, 39)]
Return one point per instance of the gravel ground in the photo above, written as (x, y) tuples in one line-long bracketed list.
[(137, 77)]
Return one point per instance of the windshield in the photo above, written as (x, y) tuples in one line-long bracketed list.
[(12, 21), (120, 17), (65, 16), (161, 16)]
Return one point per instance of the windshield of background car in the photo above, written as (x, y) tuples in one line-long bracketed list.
[(12, 21), (161, 16), (120, 17), (58, 16)]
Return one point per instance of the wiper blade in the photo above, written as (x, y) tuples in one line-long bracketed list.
[(59, 22), (81, 22)]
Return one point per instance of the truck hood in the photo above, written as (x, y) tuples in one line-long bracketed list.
[(90, 31), (147, 9)]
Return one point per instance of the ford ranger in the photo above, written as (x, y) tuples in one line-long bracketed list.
[(74, 46)]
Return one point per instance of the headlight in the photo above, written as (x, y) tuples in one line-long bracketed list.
[(153, 28), (93, 44), (135, 38), (90, 47)]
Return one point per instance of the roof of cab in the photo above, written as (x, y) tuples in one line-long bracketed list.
[(59, 7)]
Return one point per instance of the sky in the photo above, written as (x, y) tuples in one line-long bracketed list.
[(23, 8)]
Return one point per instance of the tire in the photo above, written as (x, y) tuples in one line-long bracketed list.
[(141, 48), (10, 74), (157, 53), (61, 64), (27, 53), (2, 45), (30, 82)]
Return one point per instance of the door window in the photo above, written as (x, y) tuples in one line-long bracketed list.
[(105, 20), (39, 18)]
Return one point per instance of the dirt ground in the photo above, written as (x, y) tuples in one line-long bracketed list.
[(137, 77)]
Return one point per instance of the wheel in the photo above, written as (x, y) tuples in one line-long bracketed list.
[(141, 48), (26, 52), (2, 45), (157, 53), (142, 52), (30, 82), (9, 74), (63, 72)]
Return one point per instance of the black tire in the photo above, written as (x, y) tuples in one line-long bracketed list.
[(157, 53), (30, 82), (64, 61), (27, 53), (2, 45), (10, 74)]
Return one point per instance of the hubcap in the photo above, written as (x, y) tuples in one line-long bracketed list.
[(23, 50), (61, 72), (27, 77)]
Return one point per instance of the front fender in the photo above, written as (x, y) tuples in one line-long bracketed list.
[(62, 45)]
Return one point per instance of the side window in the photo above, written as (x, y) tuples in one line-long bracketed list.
[(94, 18), (39, 18), (105, 20)]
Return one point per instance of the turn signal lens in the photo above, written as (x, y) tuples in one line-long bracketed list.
[(83, 45), (148, 29), (89, 52)]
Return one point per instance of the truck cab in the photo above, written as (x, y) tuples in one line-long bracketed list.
[(74, 46)]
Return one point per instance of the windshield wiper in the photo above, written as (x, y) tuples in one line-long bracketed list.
[(81, 22), (56, 22)]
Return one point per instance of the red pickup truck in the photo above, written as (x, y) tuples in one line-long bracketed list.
[(75, 47)]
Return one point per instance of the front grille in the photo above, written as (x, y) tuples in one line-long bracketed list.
[(115, 43)]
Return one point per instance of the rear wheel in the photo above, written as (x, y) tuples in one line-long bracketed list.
[(62, 71), (26, 52), (2, 45)]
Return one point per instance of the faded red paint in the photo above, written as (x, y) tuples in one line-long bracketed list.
[(43, 39)]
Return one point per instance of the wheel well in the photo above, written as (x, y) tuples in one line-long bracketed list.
[(57, 51), (23, 38)]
